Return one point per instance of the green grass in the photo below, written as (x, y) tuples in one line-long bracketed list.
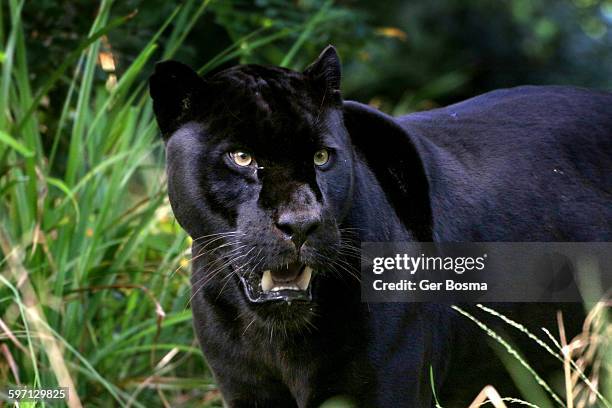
[(583, 361), (87, 241), (89, 296)]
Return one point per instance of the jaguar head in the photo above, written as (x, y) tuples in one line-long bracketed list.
[(260, 174)]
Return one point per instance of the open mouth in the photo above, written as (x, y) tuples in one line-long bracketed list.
[(289, 283)]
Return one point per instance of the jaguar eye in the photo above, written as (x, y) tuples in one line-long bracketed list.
[(241, 158), (321, 157)]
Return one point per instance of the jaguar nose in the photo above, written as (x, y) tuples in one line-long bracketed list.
[(298, 226)]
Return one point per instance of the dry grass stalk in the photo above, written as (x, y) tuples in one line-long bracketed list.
[(588, 350), (36, 317), (488, 395)]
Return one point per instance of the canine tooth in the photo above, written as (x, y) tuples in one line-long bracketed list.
[(266, 281), (304, 279)]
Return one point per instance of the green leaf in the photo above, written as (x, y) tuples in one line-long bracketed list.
[(19, 147)]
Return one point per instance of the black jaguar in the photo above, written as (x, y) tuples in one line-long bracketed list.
[(278, 180)]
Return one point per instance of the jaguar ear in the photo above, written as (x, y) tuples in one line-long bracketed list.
[(174, 88), (326, 71)]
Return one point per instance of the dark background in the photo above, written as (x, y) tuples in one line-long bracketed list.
[(399, 55)]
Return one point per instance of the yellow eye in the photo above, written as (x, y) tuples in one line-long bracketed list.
[(241, 158), (321, 157)]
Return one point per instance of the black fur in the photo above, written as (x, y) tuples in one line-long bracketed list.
[(523, 164)]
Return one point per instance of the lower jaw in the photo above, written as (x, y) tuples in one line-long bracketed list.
[(256, 295)]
